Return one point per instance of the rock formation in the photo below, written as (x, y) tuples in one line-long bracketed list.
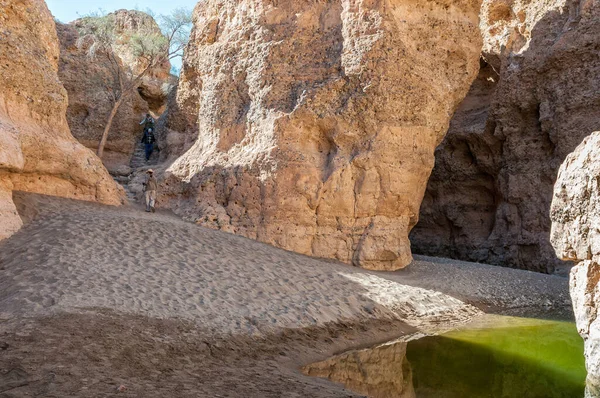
[(575, 235), (90, 84), (154, 85), (37, 151), (535, 99), (315, 122), (459, 207)]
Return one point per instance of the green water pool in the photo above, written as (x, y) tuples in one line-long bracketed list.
[(498, 357), (518, 358)]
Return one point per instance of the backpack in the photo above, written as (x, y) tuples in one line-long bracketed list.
[(149, 124)]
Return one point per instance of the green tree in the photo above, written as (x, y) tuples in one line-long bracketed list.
[(150, 48)]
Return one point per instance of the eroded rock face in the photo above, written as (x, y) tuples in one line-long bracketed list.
[(91, 85), (37, 151), (575, 215), (154, 85), (459, 208), (317, 120), (9, 217), (534, 101)]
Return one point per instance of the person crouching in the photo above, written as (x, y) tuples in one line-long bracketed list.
[(150, 187)]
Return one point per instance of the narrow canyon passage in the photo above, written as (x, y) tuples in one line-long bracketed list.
[(296, 149)]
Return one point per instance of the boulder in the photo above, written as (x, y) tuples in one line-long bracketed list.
[(575, 235), (311, 125), (37, 151)]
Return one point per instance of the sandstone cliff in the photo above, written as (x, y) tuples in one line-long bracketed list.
[(90, 84), (315, 122), (37, 151), (153, 87), (535, 99), (575, 215)]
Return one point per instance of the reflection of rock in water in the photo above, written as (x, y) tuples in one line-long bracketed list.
[(378, 373)]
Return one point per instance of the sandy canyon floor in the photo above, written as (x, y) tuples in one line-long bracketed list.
[(98, 301)]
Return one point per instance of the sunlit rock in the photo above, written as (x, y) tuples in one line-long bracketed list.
[(315, 122), (575, 235)]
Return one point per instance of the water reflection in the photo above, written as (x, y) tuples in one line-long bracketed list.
[(379, 372), (499, 357)]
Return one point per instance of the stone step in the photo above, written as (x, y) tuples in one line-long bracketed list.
[(138, 159), (123, 180)]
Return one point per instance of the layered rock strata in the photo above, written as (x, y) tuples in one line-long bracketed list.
[(536, 98), (37, 151), (315, 122), (575, 235), (91, 84)]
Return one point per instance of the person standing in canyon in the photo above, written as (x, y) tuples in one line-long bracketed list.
[(148, 122), (148, 138), (150, 188)]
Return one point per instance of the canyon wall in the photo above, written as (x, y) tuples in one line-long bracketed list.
[(536, 97), (311, 125), (37, 151), (91, 84), (153, 87), (575, 234)]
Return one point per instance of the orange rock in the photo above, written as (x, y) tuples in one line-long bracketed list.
[(311, 126), (90, 84), (534, 101), (37, 151)]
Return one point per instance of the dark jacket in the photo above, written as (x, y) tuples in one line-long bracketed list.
[(148, 137)]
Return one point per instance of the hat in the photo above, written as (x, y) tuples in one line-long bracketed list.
[(150, 171)]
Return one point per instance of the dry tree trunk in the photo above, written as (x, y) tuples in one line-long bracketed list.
[(104, 138)]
